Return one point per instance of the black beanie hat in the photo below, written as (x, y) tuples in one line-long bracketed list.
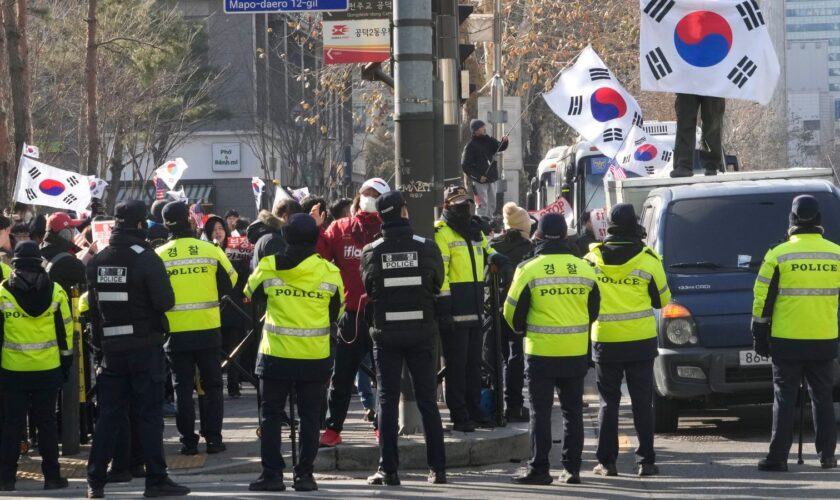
[(176, 215), (622, 221), (552, 227), (157, 211), (805, 211), (301, 230), (476, 124), (389, 206), (128, 214), (27, 255)]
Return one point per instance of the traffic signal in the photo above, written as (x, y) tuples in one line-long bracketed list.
[(465, 50)]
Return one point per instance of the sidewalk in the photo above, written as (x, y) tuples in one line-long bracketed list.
[(359, 450)]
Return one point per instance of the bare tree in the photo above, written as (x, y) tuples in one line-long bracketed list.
[(6, 144), (15, 25), (90, 88)]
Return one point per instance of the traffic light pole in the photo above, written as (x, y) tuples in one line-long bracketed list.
[(448, 68), (414, 126)]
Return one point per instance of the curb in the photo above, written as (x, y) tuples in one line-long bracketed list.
[(506, 444)]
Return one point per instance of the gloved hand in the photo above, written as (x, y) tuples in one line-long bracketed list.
[(761, 338), (499, 260), (66, 364), (446, 324)]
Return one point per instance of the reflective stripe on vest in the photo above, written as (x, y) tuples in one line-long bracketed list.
[(404, 316), (807, 256), (566, 280), (112, 296), (404, 281), (297, 332), (114, 331), (30, 346), (564, 330), (195, 306), (807, 292), (625, 316), (190, 262), (465, 317)]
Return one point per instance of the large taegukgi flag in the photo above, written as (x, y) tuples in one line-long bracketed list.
[(48, 186), (715, 48), (591, 100)]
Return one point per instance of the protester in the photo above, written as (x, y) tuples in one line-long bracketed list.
[(342, 243), (341, 208), (514, 244), (157, 233), (231, 216), (711, 110), (479, 164), (59, 252), (273, 243)]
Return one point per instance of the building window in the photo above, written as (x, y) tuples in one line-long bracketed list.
[(811, 125)]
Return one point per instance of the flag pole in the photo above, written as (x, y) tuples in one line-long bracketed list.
[(537, 96)]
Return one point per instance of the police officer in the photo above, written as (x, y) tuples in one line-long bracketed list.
[(553, 300), (632, 283), (37, 339), (304, 296), (795, 322), (128, 294), (5, 271), (200, 274), (403, 274), (463, 247)]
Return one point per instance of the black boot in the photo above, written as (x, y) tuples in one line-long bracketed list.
[(216, 447), (306, 483), (772, 465), (96, 492), (189, 449), (828, 462), (384, 478), (463, 426), (682, 172), (56, 484), (167, 488), (268, 484)]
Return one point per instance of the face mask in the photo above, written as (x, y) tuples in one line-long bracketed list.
[(367, 204), (462, 210)]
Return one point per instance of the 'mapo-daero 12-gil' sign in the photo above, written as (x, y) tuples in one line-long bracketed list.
[(226, 157), (262, 6)]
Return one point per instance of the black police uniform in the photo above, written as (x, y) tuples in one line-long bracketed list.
[(129, 291), (402, 274)]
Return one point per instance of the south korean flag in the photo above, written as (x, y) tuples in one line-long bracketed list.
[(592, 101), (643, 155), (717, 48)]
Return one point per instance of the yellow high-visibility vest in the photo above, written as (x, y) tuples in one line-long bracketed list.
[(191, 265)]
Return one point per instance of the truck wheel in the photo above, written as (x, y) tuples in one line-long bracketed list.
[(666, 414)]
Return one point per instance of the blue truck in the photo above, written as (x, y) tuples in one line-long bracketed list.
[(712, 234)]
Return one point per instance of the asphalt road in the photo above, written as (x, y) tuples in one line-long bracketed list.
[(713, 455)]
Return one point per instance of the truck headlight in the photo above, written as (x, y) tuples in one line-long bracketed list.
[(679, 325)]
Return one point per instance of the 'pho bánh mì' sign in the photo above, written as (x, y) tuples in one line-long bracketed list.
[(226, 157)]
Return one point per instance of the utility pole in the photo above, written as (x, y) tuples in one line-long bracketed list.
[(498, 116), (414, 125), (414, 116)]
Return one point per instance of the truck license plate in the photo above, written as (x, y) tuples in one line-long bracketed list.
[(750, 358)]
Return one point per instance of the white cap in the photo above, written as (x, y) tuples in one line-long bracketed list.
[(377, 184)]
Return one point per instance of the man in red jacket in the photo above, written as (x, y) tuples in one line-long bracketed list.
[(342, 243)]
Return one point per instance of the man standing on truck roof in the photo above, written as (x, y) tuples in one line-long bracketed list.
[(479, 163), (795, 322), (632, 284), (711, 112)]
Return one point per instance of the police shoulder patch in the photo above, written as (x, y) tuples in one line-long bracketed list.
[(378, 242), (419, 239)]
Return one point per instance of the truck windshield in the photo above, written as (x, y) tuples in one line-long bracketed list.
[(732, 233), (596, 168)]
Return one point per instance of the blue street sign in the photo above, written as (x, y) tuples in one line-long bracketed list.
[(261, 6)]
